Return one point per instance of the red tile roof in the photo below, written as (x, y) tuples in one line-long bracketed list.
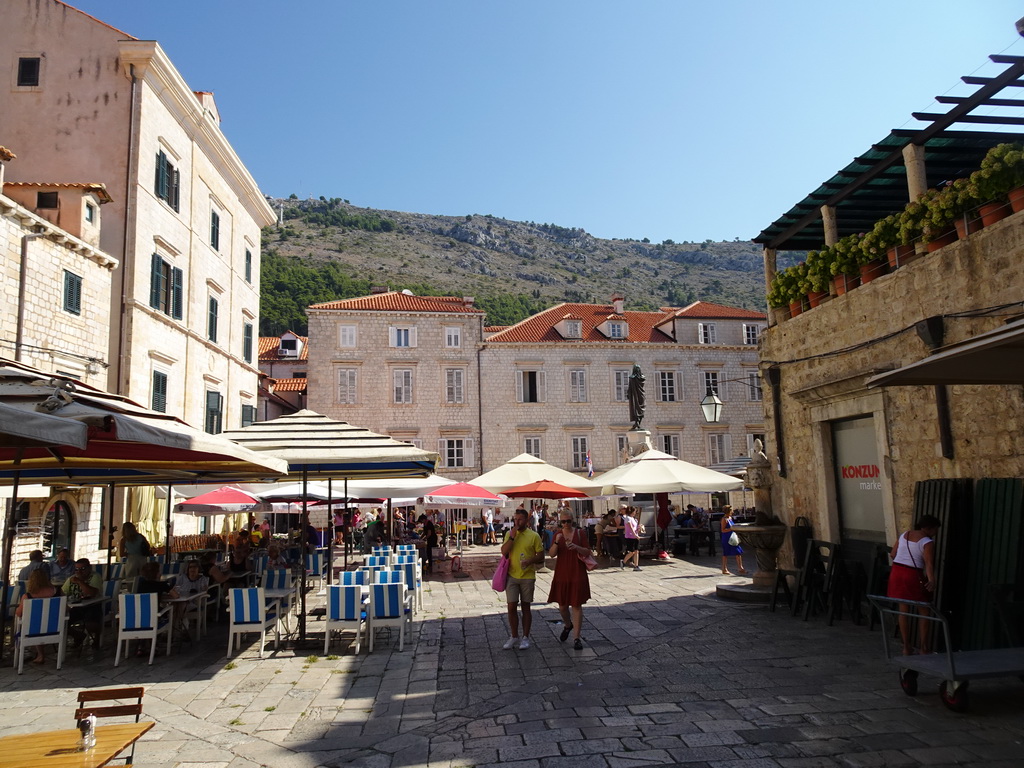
[(92, 186), (270, 348), (290, 385), (643, 326), (396, 301)]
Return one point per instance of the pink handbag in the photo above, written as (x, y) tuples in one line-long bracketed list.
[(500, 578), (585, 557)]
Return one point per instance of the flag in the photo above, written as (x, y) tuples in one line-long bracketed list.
[(590, 466)]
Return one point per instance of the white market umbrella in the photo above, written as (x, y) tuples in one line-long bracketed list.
[(656, 472), (525, 469)]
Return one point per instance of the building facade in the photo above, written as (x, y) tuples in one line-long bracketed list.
[(284, 362)]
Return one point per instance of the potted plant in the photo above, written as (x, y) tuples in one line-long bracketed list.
[(1001, 172), (911, 222), (845, 267), (818, 274), (884, 241), (784, 291)]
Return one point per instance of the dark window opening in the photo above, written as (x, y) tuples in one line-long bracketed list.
[(166, 291), (168, 181), (46, 199), (28, 72), (159, 402)]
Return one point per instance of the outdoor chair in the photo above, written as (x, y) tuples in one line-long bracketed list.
[(43, 622), (878, 580), (819, 579), (141, 618), (170, 569), (259, 563), (14, 594), (389, 607), (108, 609), (316, 567), (348, 578), (377, 560), (346, 609), (279, 579), (381, 550), (248, 611), (110, 571), (400, 558), (87, 706), (388, 576), (413, 581)]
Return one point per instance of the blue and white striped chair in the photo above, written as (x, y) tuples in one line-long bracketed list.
[(373, 561), (259, 563), (316, 567), (248, 610), (14, 594), (170, 569), (346, 609), (109, 606), (359, 578), (413, 581), (141, 618), (43, 622), (280, 579), (389, 607), (388, 576), (381, 550)]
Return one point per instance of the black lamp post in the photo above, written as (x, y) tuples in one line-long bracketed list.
[(712, 407)]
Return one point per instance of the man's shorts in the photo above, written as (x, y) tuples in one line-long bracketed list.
[(631, 544), (519, 590)]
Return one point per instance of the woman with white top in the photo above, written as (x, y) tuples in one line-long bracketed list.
[(913, 577)]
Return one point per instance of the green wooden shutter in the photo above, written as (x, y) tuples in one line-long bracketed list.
[(72, 293), (247, 342), (156, 281), (177, 293), (248, 265), (248, 415), (159, 391), (215, 230), (175, 188), (160, 187), (211, 325), (214, 412)]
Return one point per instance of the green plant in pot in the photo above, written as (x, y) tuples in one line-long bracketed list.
[(1002, 169), (847, 256), (819, 272), (912, 220), (883, 236), (783, 289)]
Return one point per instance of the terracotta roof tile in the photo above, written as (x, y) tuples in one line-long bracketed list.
[(718, 312), (270, 348), (290, 385), (92, 186), (396, 301), (541, 327)]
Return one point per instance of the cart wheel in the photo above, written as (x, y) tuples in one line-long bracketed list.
[(908, 681), (956, 701)]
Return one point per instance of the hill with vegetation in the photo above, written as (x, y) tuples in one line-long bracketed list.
[(327, 249)]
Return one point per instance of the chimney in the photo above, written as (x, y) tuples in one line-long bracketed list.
[(617, 299), (468, 300), (378, 289), (5, 157)]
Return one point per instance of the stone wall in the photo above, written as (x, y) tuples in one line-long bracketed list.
[(826, 355)]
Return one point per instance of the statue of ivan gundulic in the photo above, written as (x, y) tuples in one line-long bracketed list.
[(635, 395)]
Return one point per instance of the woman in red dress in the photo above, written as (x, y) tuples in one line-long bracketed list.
[(570, 587)]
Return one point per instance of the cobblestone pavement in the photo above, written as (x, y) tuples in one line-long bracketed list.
[(670, 675)]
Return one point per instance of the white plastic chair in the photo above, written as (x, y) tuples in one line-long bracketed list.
[(389, 607), (248, 611), (346, 609), (141, 618), (43, 622)]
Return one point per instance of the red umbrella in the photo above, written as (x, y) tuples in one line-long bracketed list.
[(461, 495), (544, 489), (224, 500)]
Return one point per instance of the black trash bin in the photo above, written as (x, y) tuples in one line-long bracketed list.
[(801, 534)]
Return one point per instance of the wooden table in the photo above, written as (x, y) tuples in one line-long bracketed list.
[(59, 749)]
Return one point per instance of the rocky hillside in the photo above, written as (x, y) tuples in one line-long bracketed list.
[(329, 249)]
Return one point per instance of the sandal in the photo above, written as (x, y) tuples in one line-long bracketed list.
[(565, 633), (578, 644)]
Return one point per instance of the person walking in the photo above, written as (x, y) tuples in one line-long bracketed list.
[(570, 587), (134, 548), (430, 536), (728, 549), (489, 537), (631, 538), (913, 578), (525, 552)]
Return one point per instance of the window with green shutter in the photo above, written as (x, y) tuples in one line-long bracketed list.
[(166, 287), (248, 265), (211, 322), (215, 230), (168, 181), (72, 293), (248, 415), (159, 399), (214, 412), (247, 342)]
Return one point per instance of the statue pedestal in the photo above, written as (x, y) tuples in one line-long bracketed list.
[(639, 441), (765, 540)]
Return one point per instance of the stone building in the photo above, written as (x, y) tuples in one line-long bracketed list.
[(423, 369), (284, 361), (855, 453)]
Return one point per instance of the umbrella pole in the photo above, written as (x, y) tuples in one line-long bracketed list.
[(330, 529), (108, 494), (8, 548), (170, 506), (302, 572), (346, 532)]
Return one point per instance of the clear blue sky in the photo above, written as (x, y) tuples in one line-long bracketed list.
[(629, 118)]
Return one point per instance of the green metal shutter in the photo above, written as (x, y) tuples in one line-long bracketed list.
[(156, 281), (177, 293), (211, 325), (159, 392)]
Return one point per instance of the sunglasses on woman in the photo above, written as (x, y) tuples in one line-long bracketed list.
[(565, 522)]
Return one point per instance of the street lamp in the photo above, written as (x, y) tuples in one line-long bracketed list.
[(711, 406)]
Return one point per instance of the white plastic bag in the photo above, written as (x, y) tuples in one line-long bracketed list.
[(734, 539)]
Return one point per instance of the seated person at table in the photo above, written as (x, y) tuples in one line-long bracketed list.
[(150, 581), (238, 558), (38, 586), (63, 568), (35, 561), (84, 584), (685, 519), (209, 567), (275, 559), (189, 582)]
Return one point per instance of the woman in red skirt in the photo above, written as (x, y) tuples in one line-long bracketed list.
[(570, 587), (913, 577)]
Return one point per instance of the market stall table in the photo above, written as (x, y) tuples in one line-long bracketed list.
[(60, 749)]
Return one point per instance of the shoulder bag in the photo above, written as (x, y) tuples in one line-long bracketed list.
[(584, 554), (500, 579)]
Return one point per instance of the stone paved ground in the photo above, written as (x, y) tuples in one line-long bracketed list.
[(670, 676)]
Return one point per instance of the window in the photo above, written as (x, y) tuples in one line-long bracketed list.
[(573, 329), (711, 383), (530, 387), (531, 445), (751, 333), (670, 445), (289, 347), (211, 319), (620, 385), (215, 230), (158, 401), (453, 385), (718, 448), (402, 379), (750, 442), (402, 335), (578, 386), (706, 333), (579, 450), (248, 265), (47, 200), (622, 447), (347, 336), (667, 389), (616, 330), (247, 342), (214, 412), (165, 288), (754, 387), (248, 415), (348, 378), (168, 180), (28, 72), (453, 337), (455, 452), (72, 293), (90, 213)]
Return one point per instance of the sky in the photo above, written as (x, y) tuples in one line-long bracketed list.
[(664, 119)]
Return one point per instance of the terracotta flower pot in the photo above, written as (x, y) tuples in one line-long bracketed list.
[(844, 283), (795, 308), (899, 255), (814, 298), (993, 212), (967, 225), (1016, 196), (871, 270), (941, 241)]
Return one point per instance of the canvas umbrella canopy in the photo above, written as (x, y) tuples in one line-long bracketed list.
[(226, 500), (317, 446), (462, 496), (526, 468), (544, 489), (656, 472)]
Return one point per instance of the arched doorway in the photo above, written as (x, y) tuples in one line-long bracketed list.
[(58, 529)]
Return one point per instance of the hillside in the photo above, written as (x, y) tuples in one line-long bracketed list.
[(329, 249)]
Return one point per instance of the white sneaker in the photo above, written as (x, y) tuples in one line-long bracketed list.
[(524, 644), (510, 644)]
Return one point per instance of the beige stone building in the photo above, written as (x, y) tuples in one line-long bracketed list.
[(284, 362), (425, 369)]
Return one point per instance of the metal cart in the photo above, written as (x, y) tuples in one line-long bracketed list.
[(955, 668)]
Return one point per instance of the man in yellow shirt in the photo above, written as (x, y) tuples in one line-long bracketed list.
[(525, 552)]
